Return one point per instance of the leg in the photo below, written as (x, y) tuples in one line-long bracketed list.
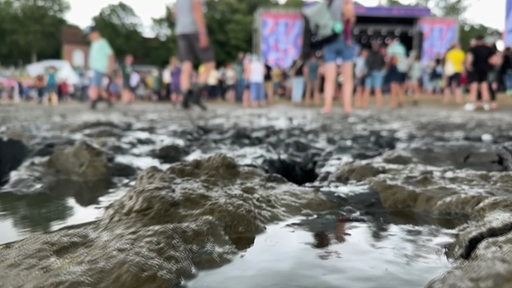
[(348, 86), (309, 90), (316, 92), (329, 85), (246, 96), (378, 97), (484, 89), (393, 95), (366, 96), (447, 90), (185, 76)]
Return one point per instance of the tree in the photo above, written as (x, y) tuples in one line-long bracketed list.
[(31, 28), (122, 27)]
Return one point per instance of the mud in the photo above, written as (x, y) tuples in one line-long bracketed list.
[(194, 215), (204, 186)]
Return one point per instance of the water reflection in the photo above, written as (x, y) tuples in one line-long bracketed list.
[(324, 254), (23, 214), (34, 213)]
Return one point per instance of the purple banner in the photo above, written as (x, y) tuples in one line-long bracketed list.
[(393, 11), (281, 38), (438, 35), (508, 25)]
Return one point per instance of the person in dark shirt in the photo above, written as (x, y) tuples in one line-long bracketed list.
[(128, 94), (375, 64), (269, 85), (506, 70), (479, 65)]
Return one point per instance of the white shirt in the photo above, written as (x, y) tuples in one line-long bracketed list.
[(166, 76), (230, 76), (257, 71)]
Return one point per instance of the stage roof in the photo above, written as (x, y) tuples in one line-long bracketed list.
[(387, 11), (393, 11)]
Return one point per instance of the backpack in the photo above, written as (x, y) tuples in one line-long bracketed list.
[(319, 27)]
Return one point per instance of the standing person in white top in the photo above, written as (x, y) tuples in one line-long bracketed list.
[(256, 79), (230, 83)]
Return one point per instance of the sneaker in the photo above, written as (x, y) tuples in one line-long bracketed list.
[(486, 106), (470, 107), (186, 99), (196, 99), (93, 104)]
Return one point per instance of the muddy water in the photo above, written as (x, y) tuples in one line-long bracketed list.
[(401, 246)]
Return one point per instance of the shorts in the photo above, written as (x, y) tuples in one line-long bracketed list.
[(360, 81), (188, 45), (396, 76), (478, 76), (230, 87), (257, 92), (97, 79), (338, 50), (454, 80), (374, 79)]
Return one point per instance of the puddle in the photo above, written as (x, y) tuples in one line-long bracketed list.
[(370, 257), (24, 215)]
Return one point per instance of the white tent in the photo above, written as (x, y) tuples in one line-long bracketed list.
[(65, 71)]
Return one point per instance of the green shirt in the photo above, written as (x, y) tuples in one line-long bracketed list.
[(398, 50), (99, 55)]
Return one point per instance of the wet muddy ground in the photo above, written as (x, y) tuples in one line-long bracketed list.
[(374, 199)]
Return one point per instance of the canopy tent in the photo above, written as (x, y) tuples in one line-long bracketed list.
[(65, 71)]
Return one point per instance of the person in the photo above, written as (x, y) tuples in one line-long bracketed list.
[(493, 72), (256, 79), (246, 98), (312, 83), (436, 75), (166, 81), (175, 74), (269, 86), (213, 84), (506, 70), (375, 64), (397, 71), (478, 62), (51, 86), (230, 83), (360, 73), (340, 10), (101, 62), (127, 94), (414, 76), (240, 79), (453, 69), (193, 41), (297, 73)]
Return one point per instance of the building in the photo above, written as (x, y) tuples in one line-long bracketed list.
[(75, 48)]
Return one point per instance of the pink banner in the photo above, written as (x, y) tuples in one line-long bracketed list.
[(281, 37), (438, 35)]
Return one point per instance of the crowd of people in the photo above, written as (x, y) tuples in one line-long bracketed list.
[(339, 69)]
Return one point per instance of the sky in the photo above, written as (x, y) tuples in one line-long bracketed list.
[(82, 11)]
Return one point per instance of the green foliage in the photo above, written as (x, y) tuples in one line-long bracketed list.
[(30, 29), (122, 27)]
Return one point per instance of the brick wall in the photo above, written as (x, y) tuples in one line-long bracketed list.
[(69, 49)]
